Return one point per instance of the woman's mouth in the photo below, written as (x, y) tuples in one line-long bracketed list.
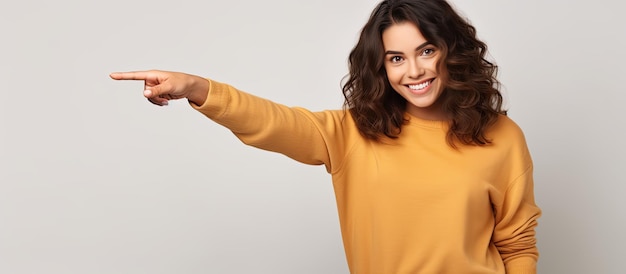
[(420, 88)]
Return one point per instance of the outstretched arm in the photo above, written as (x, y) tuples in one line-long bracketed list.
[(162, 86), (308, 137)]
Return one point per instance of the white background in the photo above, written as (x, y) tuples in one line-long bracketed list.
[(94, 179)]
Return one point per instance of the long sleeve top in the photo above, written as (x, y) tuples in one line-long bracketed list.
[(411, 204)]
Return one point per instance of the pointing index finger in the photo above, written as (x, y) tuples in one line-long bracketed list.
[(132, 75)]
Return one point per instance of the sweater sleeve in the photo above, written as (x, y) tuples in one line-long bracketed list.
[(516, 219), (295, 132)]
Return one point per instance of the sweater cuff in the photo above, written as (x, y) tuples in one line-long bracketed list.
[(521, 266), (217, 100)]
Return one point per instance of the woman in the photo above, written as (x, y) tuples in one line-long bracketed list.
[(429, 173)]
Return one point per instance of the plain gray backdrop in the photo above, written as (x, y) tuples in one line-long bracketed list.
[(94, 179)]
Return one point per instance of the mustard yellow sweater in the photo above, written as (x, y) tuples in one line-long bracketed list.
[(409, 205)]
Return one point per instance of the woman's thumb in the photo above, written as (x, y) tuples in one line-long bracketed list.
[(151, 92), (155, 91)]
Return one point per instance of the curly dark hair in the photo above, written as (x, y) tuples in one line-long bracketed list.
[(471, 96)]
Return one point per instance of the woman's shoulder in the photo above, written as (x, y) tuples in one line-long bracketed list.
[(505, 128)]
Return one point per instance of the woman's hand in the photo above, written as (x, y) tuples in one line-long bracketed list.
[(162, 86)]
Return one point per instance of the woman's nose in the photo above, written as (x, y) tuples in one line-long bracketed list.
[(415, 69)]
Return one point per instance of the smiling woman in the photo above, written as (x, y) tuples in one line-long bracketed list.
[(429, 173), (411, 65), (470, 97)]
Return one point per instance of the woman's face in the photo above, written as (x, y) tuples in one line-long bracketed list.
[(411, 65)]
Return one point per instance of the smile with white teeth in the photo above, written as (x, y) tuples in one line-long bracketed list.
[(421, 85)]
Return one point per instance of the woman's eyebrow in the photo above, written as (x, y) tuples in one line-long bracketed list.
[(416, 49)]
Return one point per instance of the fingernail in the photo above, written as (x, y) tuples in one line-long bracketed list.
[(165, 103), (147, 93)]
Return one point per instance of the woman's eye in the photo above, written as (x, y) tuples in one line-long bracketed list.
[(428, 51), (396, 59)]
